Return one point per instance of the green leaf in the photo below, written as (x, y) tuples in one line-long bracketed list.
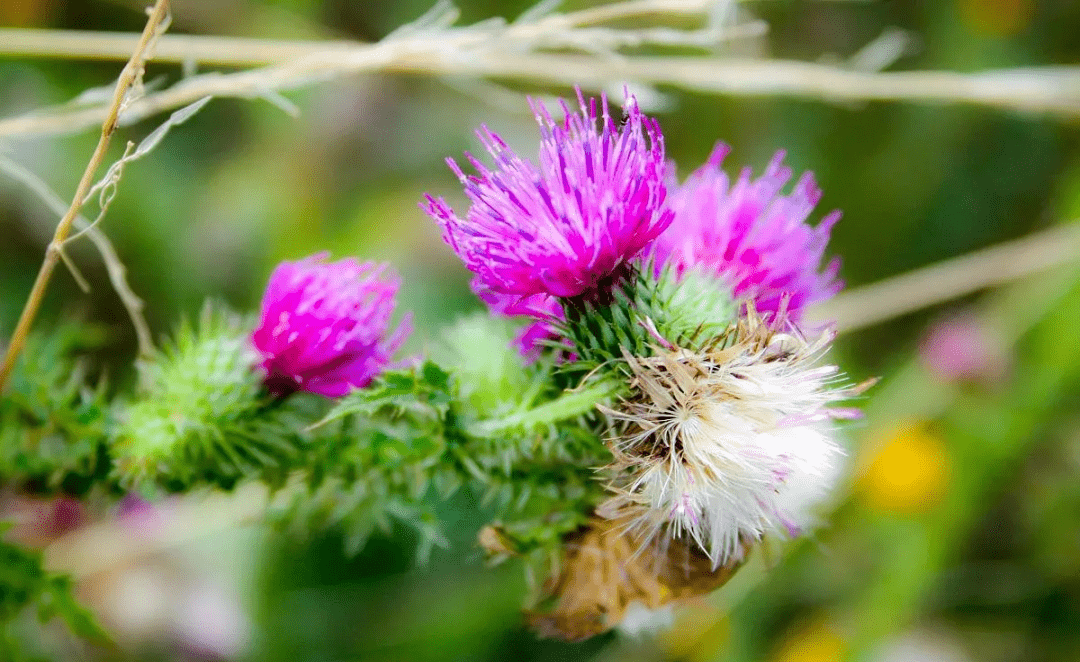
[(53, 426), (24, 584), (569, 405)]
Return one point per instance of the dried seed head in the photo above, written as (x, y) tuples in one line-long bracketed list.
[(605, 572), (727, 444)]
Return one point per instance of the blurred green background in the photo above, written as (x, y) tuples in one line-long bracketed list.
[(957, 536)]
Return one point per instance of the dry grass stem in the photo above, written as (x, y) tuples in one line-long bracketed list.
[(540, 47), (539, 23), (130, 78), (1003, 263), (115, 268)]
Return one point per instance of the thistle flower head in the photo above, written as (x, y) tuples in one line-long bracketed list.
[(325, 327), (569, 226), (751, 235), (725, 445)]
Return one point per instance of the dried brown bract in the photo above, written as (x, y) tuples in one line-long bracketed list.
[(605, 570)]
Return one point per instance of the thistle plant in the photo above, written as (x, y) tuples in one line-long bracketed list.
[(648, 402), (718, 408), (638, 410)]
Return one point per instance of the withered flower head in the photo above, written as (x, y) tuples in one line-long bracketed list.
[(605, 571), (724, 445)]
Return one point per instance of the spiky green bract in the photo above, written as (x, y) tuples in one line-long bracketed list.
[(652, 307), (375, 456), (202, 415), (481, 421), (693, 308), (25, 585), (487, 374), (53, 426), (528, 447)]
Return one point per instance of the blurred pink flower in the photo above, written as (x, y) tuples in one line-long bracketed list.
[(569, 227), (963, 346), (211, 624), (325, 327), (40, 520), (142, 516), (752, 236)]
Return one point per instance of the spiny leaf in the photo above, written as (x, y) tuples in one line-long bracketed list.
[(24, 583), (422, 391), (53, 426)]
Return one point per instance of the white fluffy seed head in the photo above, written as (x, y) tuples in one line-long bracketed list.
[(727, 444)]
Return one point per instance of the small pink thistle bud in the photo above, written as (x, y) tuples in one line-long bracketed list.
[(325, 326)]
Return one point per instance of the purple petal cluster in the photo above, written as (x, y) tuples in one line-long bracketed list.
[(539, 236), (325, 326), (569, 225), (751, 235)]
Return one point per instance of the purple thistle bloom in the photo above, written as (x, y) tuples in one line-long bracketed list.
[(569, 227), (324, 326), (750, 235)]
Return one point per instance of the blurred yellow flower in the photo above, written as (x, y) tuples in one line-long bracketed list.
[(910, 473), (999, 18), (810, 641)]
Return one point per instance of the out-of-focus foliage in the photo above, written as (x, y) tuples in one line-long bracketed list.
[(26, 586), (53, 426)]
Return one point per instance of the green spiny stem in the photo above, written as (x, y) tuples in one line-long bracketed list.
[(571, 404)]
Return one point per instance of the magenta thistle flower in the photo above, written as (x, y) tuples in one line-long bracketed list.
[(752, 236), (570, 226), (325, 326)]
